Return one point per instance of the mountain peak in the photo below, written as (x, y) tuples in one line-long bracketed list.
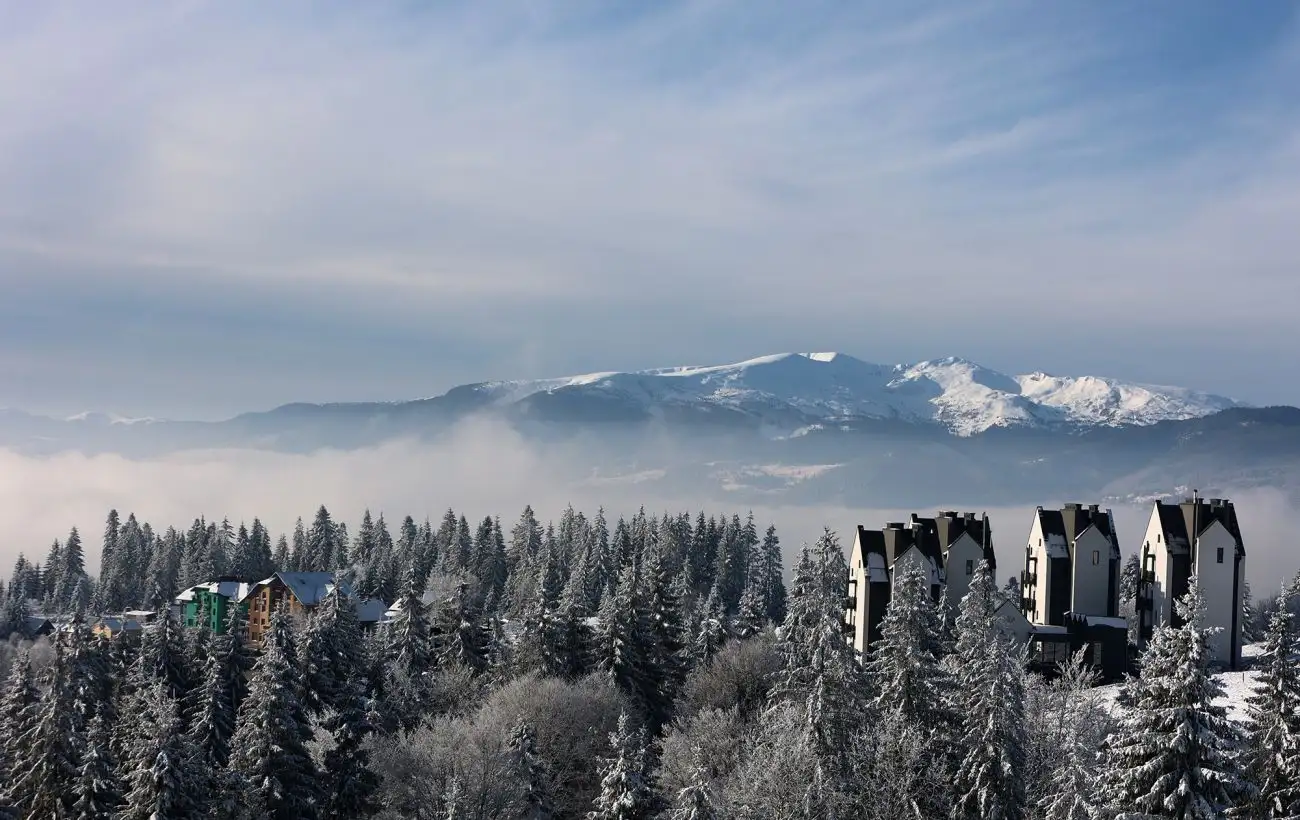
[(791, 390)]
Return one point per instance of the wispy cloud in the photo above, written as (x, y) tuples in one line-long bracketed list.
[(571, 186)]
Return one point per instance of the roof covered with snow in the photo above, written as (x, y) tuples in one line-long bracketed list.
[(309, 588)]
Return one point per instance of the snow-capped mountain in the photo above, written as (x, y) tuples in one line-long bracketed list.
[(788, 390)]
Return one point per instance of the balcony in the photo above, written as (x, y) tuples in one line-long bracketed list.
[(850, 602), (1029, 579), (1148, 576), (1028, 605)]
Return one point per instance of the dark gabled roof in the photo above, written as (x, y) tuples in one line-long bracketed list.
[(1172, 524), (1179, 519), (950, 526), (871, 541), (1072, 520), (1051, 522)]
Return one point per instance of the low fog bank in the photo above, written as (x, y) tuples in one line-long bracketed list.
[(483, 469)]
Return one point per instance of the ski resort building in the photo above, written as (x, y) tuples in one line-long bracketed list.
[(1070, 589), (947, 547), (1072, 564), (1198, 537)]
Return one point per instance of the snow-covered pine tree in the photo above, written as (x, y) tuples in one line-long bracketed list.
[(271, 732), (161, 770), (903, 666), (350, 785), (163, 655), (711, 633), (1273, 748), (541, 646), (625, 789), (18, 712), (410, 646), (666, 629), (330, 650), (1250, 626), (98, 792), (821, 669), (212, 708), (13, 612), (618, 645), (462, 633), (990, 698), (776, 595), (46, 757), (1175, 753), (521, 757), (698, 801), (1069, 794)]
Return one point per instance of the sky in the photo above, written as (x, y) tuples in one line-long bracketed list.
[(211, 207)]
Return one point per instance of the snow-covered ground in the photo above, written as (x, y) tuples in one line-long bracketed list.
[(1237, 686)]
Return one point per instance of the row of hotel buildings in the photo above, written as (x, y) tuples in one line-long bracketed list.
[(1070, 584)]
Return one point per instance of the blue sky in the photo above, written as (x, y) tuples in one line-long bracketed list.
[(211, 207)]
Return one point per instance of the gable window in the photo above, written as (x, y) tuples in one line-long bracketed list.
[(1219, 557), (1096, 557), (970, 566)]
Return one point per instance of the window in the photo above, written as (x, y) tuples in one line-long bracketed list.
[(1219, 558), (1051, 653), (970, 566), (1096, 557)]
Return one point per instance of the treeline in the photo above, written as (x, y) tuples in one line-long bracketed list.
[(650, 708), (718, 557)]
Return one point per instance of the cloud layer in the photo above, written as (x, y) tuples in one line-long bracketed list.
[(485, 469)]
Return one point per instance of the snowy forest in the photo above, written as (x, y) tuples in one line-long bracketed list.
[(664, 667)]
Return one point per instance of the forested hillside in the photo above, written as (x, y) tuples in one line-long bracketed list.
[(654, 669)]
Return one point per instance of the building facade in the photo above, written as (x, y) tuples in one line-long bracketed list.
[(1200, 537), (947, 548), (1072, 564)]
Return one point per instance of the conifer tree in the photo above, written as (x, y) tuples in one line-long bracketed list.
[(625, 789), (45, 757), (666, 629), (18, 709), (903, 664), (163, 655), (410, 656), (711, 633), (330, 650), (13, 613), (821, 671), (1069, 793), (1273, 749), (1174, 754), (523, 760), (271, 732), (161, 775), (990, 700), (542, 644), (617, 644), (216, 700), (697, 801), (98, 792), (350, 785), (462, 637)]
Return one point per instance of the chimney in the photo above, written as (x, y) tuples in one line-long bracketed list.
[(894, 525), (1094, 508)]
